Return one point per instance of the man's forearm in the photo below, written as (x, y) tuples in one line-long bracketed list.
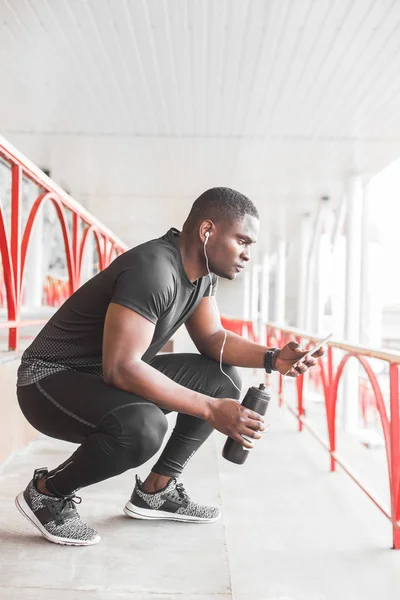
[(238, 351), (146, 381)]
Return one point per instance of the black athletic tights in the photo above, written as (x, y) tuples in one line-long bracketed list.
[(118, 430)]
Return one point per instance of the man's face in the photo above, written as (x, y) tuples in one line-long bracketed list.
[(230, 247)]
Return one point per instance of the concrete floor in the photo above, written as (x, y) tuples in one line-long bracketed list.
[(290, 531)]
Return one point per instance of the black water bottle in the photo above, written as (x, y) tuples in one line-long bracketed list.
[(256, 399)]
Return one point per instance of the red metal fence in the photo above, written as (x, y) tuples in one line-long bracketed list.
[(329, 375), (15, 247)]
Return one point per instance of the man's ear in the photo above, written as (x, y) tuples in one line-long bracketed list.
[(205, 230)]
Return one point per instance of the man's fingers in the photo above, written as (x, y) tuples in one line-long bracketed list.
[(299, 351), (295, 346), (319, 352), (245, 443), (292, 372), (303, 364), (251, 414), (310, 362), (250, 433), (254, 425), (250, 436)]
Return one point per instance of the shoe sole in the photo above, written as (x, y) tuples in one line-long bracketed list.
[(27, 512), (136, 512)]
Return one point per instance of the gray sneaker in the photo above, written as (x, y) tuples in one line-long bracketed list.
[(56, 518), (171, 503)]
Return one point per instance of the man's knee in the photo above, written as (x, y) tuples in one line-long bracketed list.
[(234, 374), (224, 385), (138, 432)]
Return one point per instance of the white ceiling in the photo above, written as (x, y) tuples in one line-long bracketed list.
[(146, 103)]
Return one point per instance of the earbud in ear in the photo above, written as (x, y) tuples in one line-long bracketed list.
[(206, 235)]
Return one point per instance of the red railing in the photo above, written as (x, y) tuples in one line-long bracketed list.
[(243, 328), (55, 291), (14, 247), (329, 375)]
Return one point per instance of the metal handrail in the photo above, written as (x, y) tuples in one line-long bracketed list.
[(330, 378), (14, 248)]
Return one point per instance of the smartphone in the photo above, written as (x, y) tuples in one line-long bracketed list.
[(312, 350)]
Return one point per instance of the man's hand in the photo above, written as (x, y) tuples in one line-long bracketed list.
[(288, 360), (235, 420)]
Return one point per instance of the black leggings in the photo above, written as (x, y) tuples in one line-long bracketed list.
[(118, 430)]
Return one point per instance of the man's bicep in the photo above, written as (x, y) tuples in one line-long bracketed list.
[(204, 323), (126, 337)]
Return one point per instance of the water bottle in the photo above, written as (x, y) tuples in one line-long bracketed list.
[(256, 399)]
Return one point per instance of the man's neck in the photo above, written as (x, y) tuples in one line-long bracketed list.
[(194, 265)]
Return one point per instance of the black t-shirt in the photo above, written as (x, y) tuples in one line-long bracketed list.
[(150, 279)]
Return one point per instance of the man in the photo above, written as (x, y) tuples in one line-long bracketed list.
[(93, 375)]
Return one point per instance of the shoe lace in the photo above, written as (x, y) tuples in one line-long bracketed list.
[(181, 491), (69, 503)]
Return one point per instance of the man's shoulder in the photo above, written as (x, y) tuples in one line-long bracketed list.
[(157, 256)]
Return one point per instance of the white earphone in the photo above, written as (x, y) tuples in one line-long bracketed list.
[(207, 235)]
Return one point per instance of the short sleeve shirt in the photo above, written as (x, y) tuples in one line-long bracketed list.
[(149, 279)]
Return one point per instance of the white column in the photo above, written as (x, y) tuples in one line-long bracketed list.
[(305, 242), (311, 274), (353, 289), (34, 269), (246, 295), (338, 287), (254, 293), (264, 296), (312, 282), (280, 283), (371, 280), (323, 284), (353, 262), (365, 279)]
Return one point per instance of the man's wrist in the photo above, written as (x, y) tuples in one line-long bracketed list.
[(274, 358), (206, 406), (270, 357)]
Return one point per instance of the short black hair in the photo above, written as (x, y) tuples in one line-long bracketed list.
[(220, 204)]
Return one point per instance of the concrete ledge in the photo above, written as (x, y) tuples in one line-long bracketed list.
[(15, 431), (9, 357)]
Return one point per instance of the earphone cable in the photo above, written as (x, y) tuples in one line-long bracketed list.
[(225, 334)]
